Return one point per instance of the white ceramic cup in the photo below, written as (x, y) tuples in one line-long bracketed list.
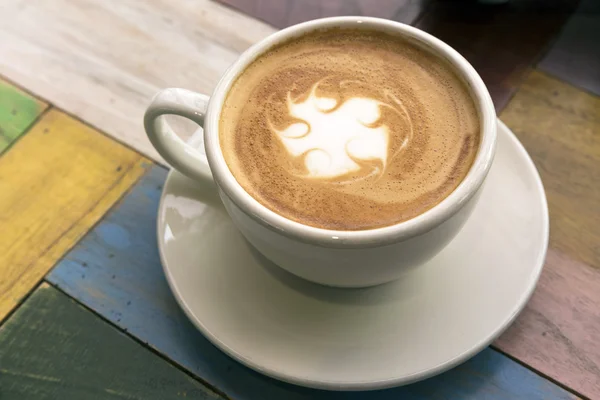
[(335, 258)]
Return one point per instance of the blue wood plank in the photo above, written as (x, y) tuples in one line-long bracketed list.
[(115, 270)]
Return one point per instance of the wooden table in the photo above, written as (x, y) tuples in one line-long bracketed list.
[(85, 310)]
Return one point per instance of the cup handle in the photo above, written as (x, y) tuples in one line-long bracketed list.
[(175, 151)]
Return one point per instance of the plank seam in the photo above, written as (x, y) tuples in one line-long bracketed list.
[(29, 127), (25, 90), (218, 391), (23, 299), (539, 373), (67, 250), (550, 75), (421, 16), (138, 341), (210, 386), (80, 120)]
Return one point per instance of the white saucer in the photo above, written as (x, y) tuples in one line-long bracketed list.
[(357, 339)]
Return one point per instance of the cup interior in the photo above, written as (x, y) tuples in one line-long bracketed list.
[(359, 238)]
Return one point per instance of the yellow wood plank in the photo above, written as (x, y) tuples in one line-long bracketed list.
[(55, 183), (18, 111), (560, 127)]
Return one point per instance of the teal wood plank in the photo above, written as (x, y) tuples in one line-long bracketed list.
[(115, 270), (52, 348)]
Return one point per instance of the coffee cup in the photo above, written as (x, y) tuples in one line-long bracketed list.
[(317, 245)]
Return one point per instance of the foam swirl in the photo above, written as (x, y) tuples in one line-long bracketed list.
[(331, 135), (349, 129)]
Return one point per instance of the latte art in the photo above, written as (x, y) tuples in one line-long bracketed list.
[(333, 136), (349, 129)]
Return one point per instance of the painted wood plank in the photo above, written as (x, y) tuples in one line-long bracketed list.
[(559, 332), (115, 270), (575, 56), (502, 41), (560, 127), (53, 348), (102, 60), (283, 13), (55, 183), (18, 110)]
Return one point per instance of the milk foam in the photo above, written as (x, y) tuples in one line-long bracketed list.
[(332, 136), (349, 130)]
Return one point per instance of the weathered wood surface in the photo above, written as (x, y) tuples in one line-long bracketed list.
[(18, 110), (115, 270), (56, 182), (559, 331), (575, 56), (52, 348), (283, 13), (106, 77), (502, 41), (559, 126), (103, 60)]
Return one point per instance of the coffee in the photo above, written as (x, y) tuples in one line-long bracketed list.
[(349, 129)]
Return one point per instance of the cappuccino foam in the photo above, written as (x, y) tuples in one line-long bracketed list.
[(349, 129)]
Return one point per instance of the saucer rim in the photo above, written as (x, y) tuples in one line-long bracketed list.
[(383, 383)]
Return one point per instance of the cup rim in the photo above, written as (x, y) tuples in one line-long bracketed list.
[(356, 238)]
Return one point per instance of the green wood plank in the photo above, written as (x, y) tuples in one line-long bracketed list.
[(52, 348), (18, 110)]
